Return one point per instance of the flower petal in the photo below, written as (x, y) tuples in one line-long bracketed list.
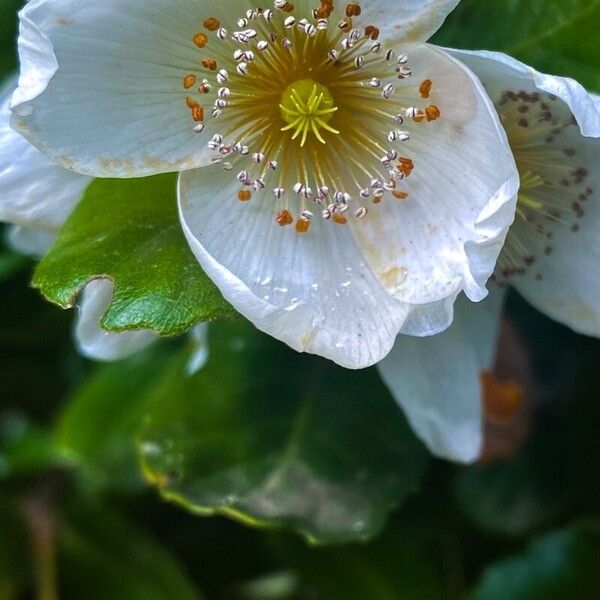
[(436, 380), (562, 281), (116, 106), (447, 235), (410, 20), (34, 191), (93, 341), (499, 72), (313, 292)]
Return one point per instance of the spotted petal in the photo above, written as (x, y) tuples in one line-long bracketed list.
[(560, 278), (436, 380)]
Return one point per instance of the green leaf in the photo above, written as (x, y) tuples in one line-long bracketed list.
[(556, 36), (564, 564), (128, 231), (274, 438), (98, 425)]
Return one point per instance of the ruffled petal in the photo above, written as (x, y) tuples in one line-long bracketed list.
[(437, 380), (35, 193), (410, 21), (93, 341), (499, 72), (447, 235), (116, 105), (560, 278)]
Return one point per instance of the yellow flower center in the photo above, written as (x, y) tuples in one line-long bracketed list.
[(307, 107)]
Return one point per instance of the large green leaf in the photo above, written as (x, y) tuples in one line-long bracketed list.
[(557, 566), (261, 433), (128, 231), (556, 36), (279, 439)]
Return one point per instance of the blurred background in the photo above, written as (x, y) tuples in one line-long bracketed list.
[(272, 476)]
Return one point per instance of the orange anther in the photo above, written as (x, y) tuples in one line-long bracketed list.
[(197, 110), (212, 24), (200, 40), (244, 195), (284, 218), (189, 81), (400, 195), (425, 88), (340, 219), (353, 10), (302, 225), (406, 166), (432, 113), (198, 113), (210, 64), (372, 32)]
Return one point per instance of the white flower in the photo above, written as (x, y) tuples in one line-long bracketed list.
[(353, 180), (552, 253)]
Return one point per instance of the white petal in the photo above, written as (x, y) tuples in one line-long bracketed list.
[(93, 341), (409, 20), (116, 105), (447, 235), (313, 292), (436, 380), (562, 282), (499, 72), (34, 191)]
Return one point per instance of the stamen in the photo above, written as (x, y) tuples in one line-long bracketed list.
[(309, 102)]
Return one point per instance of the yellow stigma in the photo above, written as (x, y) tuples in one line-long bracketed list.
[(307, 107)]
